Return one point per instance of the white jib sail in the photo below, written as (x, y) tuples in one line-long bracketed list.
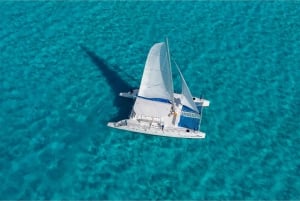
[(157, 77), (186, 98)]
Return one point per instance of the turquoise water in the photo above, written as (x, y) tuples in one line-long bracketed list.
[(62, 65)]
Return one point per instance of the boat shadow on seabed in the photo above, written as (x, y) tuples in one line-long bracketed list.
[(116, 83)]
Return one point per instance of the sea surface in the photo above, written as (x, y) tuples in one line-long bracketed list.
[(63, 63)]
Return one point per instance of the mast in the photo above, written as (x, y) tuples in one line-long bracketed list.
[(170, 68)]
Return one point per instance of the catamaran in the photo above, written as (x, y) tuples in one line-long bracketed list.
[(157, 109)]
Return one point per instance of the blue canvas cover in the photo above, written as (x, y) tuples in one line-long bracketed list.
[(189, 122)]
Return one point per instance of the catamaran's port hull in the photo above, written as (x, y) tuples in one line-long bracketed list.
[(176, 132)]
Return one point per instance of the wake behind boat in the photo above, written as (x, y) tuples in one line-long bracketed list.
[(157, 109)]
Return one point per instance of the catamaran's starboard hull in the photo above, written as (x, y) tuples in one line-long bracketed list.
[(175, 132)]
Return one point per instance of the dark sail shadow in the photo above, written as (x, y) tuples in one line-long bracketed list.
[(116, 83)]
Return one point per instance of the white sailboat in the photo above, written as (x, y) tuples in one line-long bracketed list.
[(157, 109)]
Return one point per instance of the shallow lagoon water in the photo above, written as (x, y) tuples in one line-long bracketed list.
[(62, 65)]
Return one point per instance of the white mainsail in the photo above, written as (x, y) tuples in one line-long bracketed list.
[(186, 98), (157, 81)]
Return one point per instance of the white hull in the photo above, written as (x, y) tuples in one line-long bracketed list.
[(131, 94), (135, 126)]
